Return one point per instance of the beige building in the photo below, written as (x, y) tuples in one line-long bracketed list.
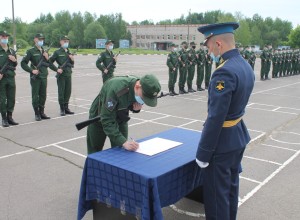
[(158, 37)]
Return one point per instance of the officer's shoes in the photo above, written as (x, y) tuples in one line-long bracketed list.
[(38, 117), (5, 123)]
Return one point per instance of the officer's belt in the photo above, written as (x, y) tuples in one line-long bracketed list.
[(231, 123)]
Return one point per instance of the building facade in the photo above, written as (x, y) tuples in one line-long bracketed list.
[(158, 37)]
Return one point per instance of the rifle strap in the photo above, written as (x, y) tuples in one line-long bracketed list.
[(123, 91)]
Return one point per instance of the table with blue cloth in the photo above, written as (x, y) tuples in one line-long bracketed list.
[(140, 184)]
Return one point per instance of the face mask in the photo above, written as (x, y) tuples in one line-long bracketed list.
[(175, 49), (110, 47), (216, 59), (193, 47), (65, 45), (139, 100), (40, 43), (4, 41)]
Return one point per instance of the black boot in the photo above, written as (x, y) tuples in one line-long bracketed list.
[(42, 114), (67, 110), (174, 92), (190, 89), (4, 121), (200, 88), (171, 93), (62, 110), (181, 91), (184, 91), (37, 114), (10, 120)]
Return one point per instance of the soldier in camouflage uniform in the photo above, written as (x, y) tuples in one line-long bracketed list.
[(65, 61), (183, 67), (192, 61), (172, 63), (200, 67), (38, 59), (118, 96), (105, 59), (275, 63), (252, 57)]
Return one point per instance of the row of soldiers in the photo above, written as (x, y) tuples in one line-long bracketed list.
[(187, 61)]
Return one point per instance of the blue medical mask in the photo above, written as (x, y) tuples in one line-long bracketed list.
[(4, 41), (139, 99), (216, 59), (40, 43), (110, 47), (65, 45), (175, 49)]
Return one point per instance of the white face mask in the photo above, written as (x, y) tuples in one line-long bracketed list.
[(110, 47), (175, 49)]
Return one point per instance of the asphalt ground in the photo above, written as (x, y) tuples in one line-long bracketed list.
[(41, 162)]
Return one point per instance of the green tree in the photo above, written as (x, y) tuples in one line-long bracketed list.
[(256, 36), (77, 33), (294, 38), (92, 32), (242, 34), (226, 17)]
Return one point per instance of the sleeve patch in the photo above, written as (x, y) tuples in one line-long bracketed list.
[(110, 104), (220, 86)]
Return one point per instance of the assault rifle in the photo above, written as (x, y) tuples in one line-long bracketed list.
[(83, 124), (67, 63), (7, 65), (177, 63), (112, 62), (42, 62)]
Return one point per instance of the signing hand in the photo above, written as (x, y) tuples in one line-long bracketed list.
[(131, 145)]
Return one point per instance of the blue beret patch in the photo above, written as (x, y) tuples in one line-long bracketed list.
[(220, 86), (110, 104)]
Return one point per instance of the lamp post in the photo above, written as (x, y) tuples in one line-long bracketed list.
[(14, 25)]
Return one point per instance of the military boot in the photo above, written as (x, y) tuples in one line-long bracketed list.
[(10, 120), (190, 89), (181, 91), (42, 114), (184, 91), (67, 110), (4, 120), (171, 93), (62, 110), (37, 114), (174, 92)]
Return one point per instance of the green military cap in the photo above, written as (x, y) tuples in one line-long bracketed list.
[(109, 41), (151, 88), (184, 42), (65, 37), (172, 45), (192, 43), (39, 36), (4, 33)]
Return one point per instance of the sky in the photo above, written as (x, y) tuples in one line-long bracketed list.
[(155, 10)]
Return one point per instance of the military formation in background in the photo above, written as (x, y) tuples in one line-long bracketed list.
[(283, 62)]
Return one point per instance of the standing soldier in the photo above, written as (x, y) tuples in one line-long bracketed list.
[(269, 59), (8, 63), (247, 54), (38, 75), (289, 63), (191, 69), (208, 65), (253, 57), (264, 60), (200, 67), (65, 61), (183, 67), (279, 63), (107, 61), (275, 62), (172, 63), (294, 62)]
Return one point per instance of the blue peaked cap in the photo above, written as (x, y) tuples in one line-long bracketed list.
[(218, 28)]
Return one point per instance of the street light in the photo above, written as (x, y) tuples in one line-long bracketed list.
[(14, 25)]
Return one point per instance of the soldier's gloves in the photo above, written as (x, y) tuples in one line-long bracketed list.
[(202, 164)]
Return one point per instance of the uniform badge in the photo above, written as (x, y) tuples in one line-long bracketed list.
[(110, 104), (220, 86)]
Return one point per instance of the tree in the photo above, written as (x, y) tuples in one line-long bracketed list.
[(294, 38), (256, 36), (242, 34), (92, 32), (77, 33), (228, 17)]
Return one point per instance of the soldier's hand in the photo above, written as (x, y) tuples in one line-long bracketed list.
[(174, 69), (46, 55), (59, 71), (35, 72), (183, 65), (1, 76), (71, 57), (191, 63), (115, 58), (131, 145), (137, 106), (105, 71), (12, 58), (179, 58)]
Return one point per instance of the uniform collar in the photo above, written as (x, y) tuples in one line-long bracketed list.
[(229, 54)]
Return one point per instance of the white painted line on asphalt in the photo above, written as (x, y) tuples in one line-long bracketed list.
[(191, 122), (275, 109), (279, 87), (283, 142), (259, 136), (249, 179), (263, 160), (255, 190), (192, 214), (283, 148), (68, 150)]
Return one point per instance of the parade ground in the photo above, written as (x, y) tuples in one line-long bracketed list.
[(41, 163)]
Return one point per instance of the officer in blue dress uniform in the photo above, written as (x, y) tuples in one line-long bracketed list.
[(224, 136)]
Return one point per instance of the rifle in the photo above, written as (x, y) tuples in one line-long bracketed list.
[(83, 124), (6, 66), (41, 62), (177, 63), (67, 62), (112, 62)]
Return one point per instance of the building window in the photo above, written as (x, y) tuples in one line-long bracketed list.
[(168, 37), (174, 37), (194, 37), (163, 37), (157, 37), (138, 36), (180, 37)]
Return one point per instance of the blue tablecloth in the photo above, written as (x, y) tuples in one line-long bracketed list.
[(139, 183)]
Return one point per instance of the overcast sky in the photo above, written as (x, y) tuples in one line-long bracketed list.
[(156, 10)]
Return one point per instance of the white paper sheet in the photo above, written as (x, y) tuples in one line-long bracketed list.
[(156, 145)]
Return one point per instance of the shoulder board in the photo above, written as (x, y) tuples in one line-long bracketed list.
[(123, 91)]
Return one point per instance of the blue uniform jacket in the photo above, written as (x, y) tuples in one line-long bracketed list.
[(228, 94)]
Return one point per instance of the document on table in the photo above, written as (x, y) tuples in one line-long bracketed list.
[(156, 145)]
